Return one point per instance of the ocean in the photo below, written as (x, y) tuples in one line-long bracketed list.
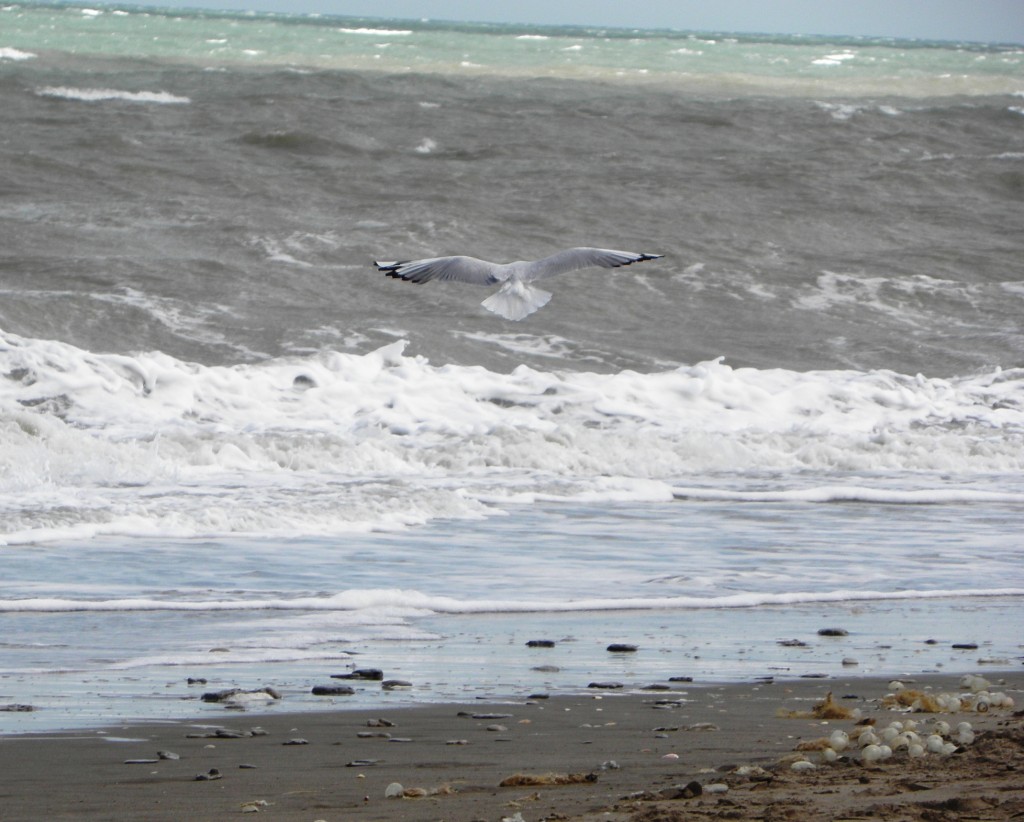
[(233, 451)]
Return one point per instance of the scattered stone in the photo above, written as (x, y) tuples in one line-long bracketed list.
[(814, 676), (141, 761), (717, 787), (610, 765), (792, 643), (213, 773), (195, 680), (850, 661), (680, 679), (400, 739), (254, 806), (168, 755), (17, 708), (373, 735), (372, 674), (457, 742), (238, 695), (611, 686), (296, 741), (245, 766), (965, 646), (497, 728), (540, 643), (539, 696), (333, 690), (622, 648), (687, 791), (833, 632), (361, 763), (395, 684), (546, 669), (380, 722), (656, 687), (492, 716)]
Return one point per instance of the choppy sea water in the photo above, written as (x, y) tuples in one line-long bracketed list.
[(229, 449)]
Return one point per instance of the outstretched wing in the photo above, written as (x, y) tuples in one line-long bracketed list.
[(456, 269), (576, 258)]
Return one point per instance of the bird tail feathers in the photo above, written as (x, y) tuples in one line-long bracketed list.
[(516, 301)]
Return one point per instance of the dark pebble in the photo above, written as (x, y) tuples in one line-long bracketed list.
[(540, 643), (605, 685), (141, 761), (213, 773), (196, 681), (539, 696), (333, 690), (965, 646), (656, 687), (833, 632), (622, 648), (391, 684), (245, 766), (298, 741), (17, 708), (372, 674), (792, 643), (680, 679), (492, 716)]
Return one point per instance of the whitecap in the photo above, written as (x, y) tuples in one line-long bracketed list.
[(94, 95), (15, 54)]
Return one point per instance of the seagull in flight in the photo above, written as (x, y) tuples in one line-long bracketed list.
[(518, 297)]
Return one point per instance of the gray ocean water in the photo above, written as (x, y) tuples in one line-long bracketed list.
[(222, 428)]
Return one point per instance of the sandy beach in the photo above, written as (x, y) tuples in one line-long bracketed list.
[(690, 752)]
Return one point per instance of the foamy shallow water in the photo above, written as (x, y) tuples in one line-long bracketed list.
[(100, 631)]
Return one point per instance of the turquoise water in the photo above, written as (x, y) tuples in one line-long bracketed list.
[(713, 63)]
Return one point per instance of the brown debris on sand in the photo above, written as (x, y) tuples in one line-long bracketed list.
[(521, 780)]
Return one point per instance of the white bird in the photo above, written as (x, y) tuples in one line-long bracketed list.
[(518, 297)]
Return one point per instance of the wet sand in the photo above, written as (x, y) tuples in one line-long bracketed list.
[(613, 756)]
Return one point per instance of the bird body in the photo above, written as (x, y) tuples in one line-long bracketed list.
[(518, 297)]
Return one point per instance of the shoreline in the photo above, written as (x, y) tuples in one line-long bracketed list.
[(622, 756)]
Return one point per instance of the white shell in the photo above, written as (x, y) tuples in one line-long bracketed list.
[(916, 750), (935, 744), (871, 753), (802, 765), (839, 741)]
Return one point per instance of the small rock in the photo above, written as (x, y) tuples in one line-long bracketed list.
[(680, 679), (833, 632), (605, 685), (540, 643), (395, 684), (17, 708), (792, 643), (372, 674), (965, 646), (492, 716), (141, 761), (168, 755), (546, 669), (361, 763), (333, 690), (656, 687), (610, 765), (379, 723), (245, 766), (622, 648), (717, 787), (195, 681), (457, 742), (213, 773), (497, 728), (850, 661), (296, 741)]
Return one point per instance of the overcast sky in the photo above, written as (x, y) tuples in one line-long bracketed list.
[(982, 20)]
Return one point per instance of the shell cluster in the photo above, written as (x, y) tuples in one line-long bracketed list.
[(910, 739), (974, 695)]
